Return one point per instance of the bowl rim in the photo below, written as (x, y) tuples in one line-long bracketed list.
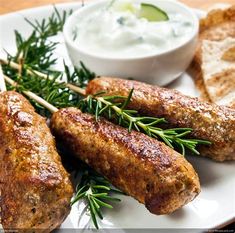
[(71, 43)]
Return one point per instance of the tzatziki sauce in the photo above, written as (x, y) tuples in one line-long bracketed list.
[(117, 31)]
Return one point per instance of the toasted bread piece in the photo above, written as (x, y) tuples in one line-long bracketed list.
[(218, 26), (219, 73)]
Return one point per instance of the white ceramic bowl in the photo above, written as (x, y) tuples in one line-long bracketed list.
[(159, 69)]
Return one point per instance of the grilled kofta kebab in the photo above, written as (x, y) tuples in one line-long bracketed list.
[(141, 166), (208, 121), (35, 188)]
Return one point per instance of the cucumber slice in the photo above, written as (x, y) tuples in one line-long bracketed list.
[(152, 13)]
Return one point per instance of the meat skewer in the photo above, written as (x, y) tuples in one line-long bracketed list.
[(142, 167), (35, 188), (208, 121)]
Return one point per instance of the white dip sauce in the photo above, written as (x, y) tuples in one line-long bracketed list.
[(112, 32)]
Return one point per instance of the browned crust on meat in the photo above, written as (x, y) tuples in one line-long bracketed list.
[(142, 167), (208, 121), (35, 188)]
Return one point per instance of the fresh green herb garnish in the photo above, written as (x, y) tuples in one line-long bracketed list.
[(50, 88), (52, 25), (36, 51), (95, 190), (114, 108)]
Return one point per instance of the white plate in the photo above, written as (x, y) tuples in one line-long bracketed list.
[(214, 207)]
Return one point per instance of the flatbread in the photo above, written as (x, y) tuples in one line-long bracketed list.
[(218, 70), (217, 27)]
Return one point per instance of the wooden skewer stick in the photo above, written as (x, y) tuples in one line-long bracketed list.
[(33, 96), (42, 75), (2, 81)]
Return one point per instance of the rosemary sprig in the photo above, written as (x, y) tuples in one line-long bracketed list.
[(31, 95), (36, 51), (52, 25), (54, 92), (95, 190), (114, 108)]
